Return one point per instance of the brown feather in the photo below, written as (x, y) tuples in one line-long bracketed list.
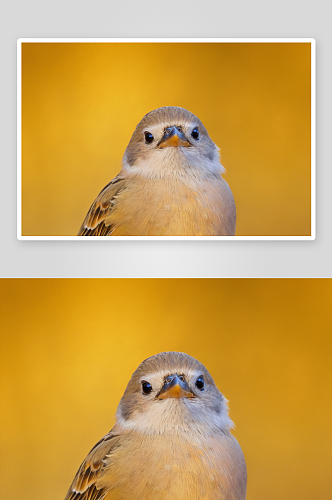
[(95, 221), (84, 485)]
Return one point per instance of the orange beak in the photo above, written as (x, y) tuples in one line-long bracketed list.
[(173, 137), (176, 388)]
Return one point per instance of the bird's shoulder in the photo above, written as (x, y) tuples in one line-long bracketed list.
[(84, 485), (96, 220)]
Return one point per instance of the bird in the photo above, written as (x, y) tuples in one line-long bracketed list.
[(171, 440), (170, 183)]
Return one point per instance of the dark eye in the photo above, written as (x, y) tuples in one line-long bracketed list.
[(200, 383), (146, 387), (148, 137), (195, 134)]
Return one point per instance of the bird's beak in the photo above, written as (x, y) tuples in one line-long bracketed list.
[(176, 388), (173, 137)]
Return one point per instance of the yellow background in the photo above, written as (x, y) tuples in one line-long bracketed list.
[(82, 102), (69, 347)]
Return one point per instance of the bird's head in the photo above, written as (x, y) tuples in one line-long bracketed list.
[(172, 392), (171, 141)]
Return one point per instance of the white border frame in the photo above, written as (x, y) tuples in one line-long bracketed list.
[(312, 41)]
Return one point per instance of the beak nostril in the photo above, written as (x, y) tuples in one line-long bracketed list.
[(175, 386), (174, 137)]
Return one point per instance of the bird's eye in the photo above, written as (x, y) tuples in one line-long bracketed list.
[(146, 387), (200, 383), (148, 137), (195, 134)]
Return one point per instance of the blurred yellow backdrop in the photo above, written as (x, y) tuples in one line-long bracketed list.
[(82, 101), (69, 347)]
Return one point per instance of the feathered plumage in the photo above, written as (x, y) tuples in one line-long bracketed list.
[(178, 448)]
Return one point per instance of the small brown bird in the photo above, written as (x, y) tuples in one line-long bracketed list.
[(171, 440), (170, 183)]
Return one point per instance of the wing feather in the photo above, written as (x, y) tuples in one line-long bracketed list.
[(84, 485), (95, 222)]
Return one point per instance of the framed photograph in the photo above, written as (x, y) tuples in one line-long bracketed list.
[(166, 139), (65, 367)]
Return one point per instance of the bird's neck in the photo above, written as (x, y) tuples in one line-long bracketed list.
[(174, 418), (171, 164)]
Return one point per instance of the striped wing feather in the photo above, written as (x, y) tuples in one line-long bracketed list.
[(84, 485), (95, 222)]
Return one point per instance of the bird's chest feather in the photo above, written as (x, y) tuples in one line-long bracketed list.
[(170, 207), (161, 468)]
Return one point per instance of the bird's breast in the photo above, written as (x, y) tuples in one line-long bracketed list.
[(164, 468), (172, 207)]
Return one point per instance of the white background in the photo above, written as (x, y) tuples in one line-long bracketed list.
[(160, 18)]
